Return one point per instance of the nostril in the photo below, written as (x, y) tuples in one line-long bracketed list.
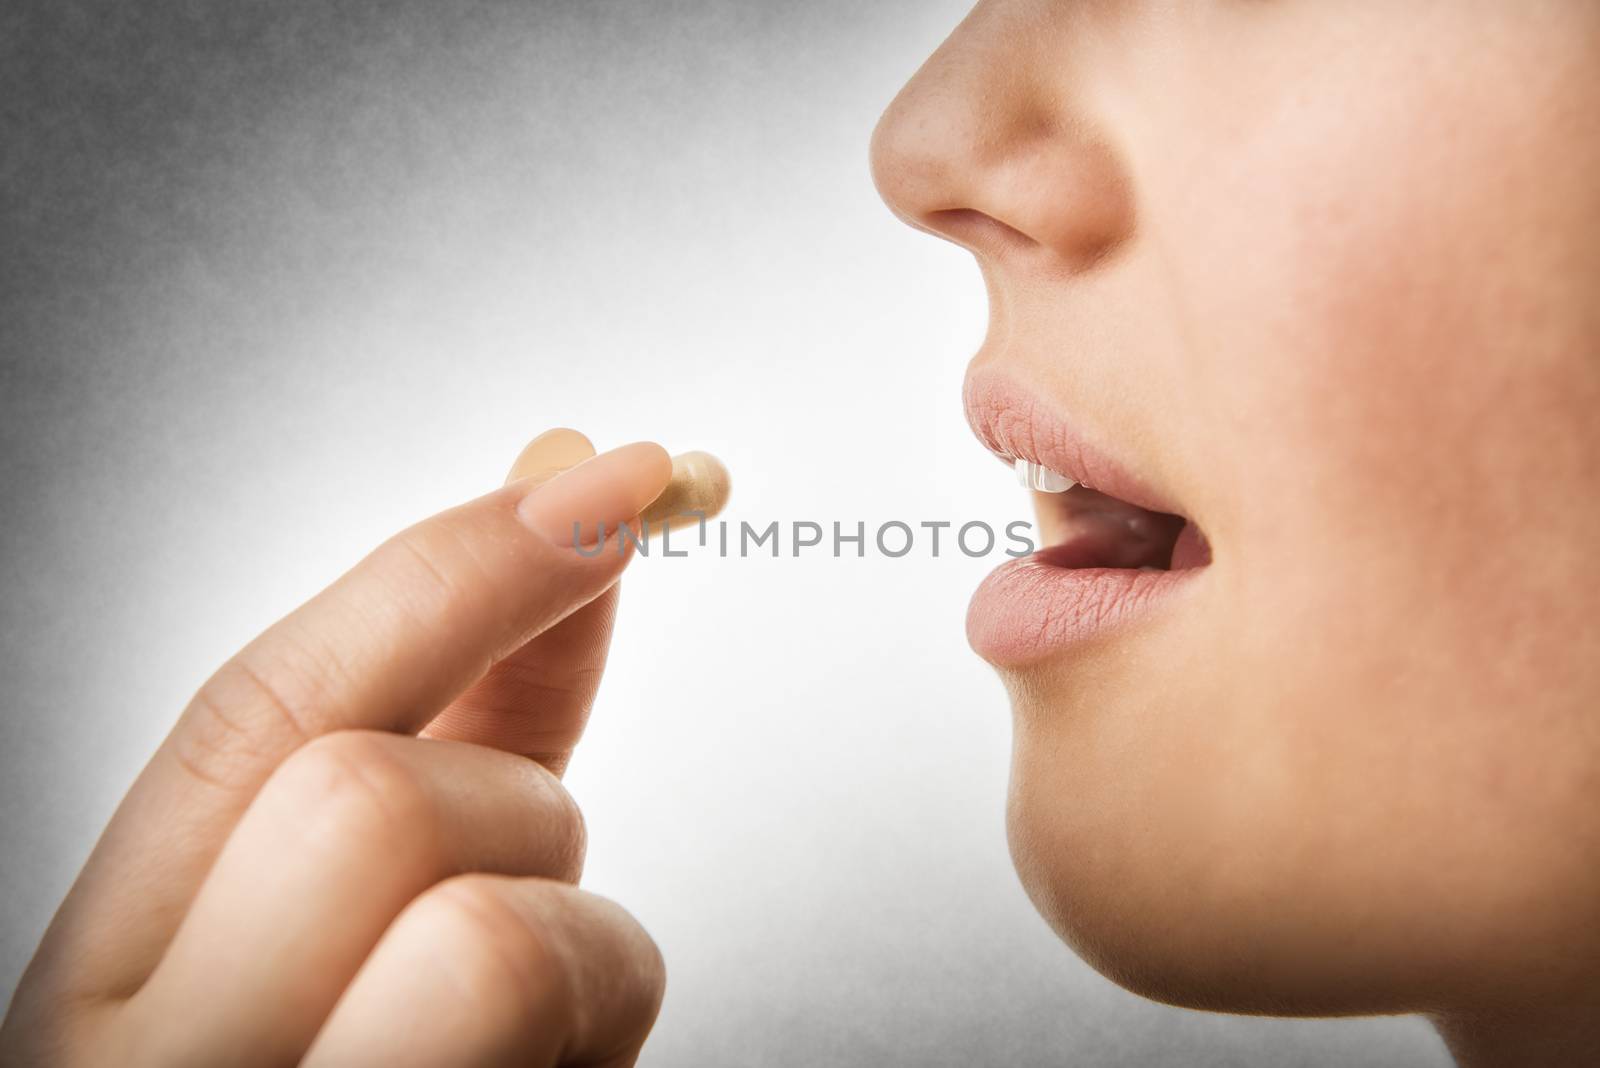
[(976, 230), (1067, 198)]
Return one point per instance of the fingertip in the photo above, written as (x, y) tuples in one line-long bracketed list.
[(600, 493), (654, 466)]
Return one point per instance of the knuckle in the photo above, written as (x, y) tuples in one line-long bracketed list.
[(567, 832), (413, 563), (501, 958), (214, 745), (252, 708), (352, 786), (641, 956), (263, 702), (436, 563), (651, 965)]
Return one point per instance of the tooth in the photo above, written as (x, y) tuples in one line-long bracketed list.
[(1039, 477)]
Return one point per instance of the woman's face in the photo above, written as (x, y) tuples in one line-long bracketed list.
[(1324, 280)]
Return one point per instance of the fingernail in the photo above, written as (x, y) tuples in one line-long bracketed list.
[(554, 450), (598, 495)]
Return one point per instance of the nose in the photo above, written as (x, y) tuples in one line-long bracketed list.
[(990, 146)]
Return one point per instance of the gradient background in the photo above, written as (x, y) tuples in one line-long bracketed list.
[(282, 277)]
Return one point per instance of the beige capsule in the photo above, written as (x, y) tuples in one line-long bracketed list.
[(699, 490)]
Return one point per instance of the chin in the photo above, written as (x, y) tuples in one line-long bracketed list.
[(1164, 891)]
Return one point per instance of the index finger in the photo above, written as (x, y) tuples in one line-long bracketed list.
[(385, 647), (536, 700)]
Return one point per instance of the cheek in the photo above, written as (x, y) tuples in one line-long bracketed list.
[(1396, 378), (1405, 369)]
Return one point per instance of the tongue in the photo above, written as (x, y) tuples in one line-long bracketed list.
[(1102, 531)]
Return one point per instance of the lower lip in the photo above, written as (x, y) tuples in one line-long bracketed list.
[(1027, 610)]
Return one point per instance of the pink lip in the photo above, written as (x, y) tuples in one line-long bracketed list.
[(1030, 609), (1014, 423)]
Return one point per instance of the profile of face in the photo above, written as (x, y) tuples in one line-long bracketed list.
[(1323, 281)]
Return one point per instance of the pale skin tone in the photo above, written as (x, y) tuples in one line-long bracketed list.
[(1329, 273), (354, 847), (1326, 270)]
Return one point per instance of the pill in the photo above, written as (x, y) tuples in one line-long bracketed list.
[(699, 490)]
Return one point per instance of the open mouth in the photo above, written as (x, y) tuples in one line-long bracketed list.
[(1115, 545), (1083, 527)]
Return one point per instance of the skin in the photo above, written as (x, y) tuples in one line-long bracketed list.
[(1327, 274), (354, 847)]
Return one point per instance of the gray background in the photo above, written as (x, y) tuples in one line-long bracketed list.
[(280, 277)]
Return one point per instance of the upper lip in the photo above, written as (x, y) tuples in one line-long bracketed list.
[(1015, 424)]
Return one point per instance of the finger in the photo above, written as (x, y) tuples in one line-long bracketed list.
[(537, 699), (485, 971), (386, 647), (344, 835)]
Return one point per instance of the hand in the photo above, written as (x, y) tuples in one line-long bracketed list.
[(298, 875)]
